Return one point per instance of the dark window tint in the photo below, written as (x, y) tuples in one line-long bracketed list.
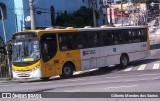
[(66, 41), (79, 40), (90, 39), (69, 41), (106, 38), (48, 46), (136, 36), (126, 36), (144, 35)]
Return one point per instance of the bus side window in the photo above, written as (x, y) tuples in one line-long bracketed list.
[(78, 40), (67, 41), (126, 36), (85, 38), (108, 38), (116, 37), (136, 36), (143, 35), (91, 39), (62, 42), (101, 39), (130, 38)]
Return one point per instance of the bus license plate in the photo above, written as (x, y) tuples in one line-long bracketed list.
[(23, 74)]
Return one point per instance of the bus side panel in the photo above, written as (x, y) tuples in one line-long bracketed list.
[(89, 58), (67, 56), (140, 50), (113, 53)]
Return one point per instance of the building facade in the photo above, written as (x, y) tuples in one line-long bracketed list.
[(17, 13), (10, 19)]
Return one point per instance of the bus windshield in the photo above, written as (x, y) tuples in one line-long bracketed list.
[(26, 50)]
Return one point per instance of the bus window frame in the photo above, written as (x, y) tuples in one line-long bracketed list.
[(41, 47)]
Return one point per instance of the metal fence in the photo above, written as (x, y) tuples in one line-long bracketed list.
[(4, 68)]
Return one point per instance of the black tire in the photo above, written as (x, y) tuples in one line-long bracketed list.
[(67, 70), (124, 60), (45, 78)]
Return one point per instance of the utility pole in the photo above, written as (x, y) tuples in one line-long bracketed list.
[(106, 16), (5, 41), (105, 4), (32, 14), (110, 10), (121, 12), (94, 14)]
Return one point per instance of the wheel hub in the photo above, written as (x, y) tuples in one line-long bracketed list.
[(67, 70), (124, 61)]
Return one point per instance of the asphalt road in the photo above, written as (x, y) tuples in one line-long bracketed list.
[(140, 76)]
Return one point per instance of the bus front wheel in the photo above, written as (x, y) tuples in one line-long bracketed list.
[(124, 60), (67, 70)]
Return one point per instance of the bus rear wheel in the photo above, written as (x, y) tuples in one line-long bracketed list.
[(124, 60), (67, 70)]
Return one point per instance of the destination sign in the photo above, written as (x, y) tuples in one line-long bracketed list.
[(24, 35)]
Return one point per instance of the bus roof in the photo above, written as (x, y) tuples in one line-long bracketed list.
[(71, 29), (111, 28)]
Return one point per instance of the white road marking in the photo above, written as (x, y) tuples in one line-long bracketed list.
[(72, 91), (142, 67), (128, 69), (148, 74), (121, 87), (141, 80), (156, 66)]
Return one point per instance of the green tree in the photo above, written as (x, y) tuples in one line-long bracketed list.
[(52, 11), (80, 18)]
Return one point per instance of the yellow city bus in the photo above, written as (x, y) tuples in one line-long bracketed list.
[(46, 53)]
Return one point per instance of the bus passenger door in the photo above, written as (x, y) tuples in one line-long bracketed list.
[(48, 50)]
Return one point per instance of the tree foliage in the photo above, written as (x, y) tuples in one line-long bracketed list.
[(80, 18)]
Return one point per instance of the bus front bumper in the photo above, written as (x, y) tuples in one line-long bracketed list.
[(35, 73)]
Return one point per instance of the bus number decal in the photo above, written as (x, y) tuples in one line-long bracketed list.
[(144, 45), (114, 50)]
